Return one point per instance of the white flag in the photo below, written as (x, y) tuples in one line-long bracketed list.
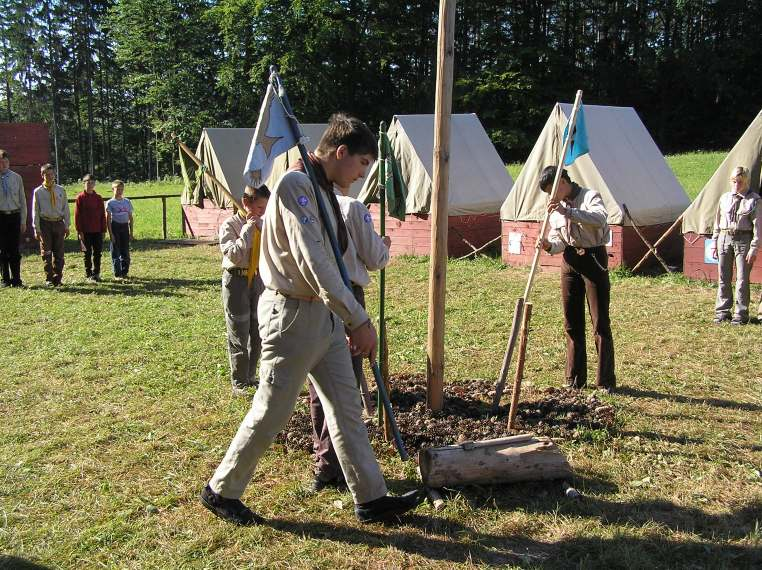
[(272, 137)]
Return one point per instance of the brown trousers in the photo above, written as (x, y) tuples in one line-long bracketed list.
[(326, 463), (52, 249), (584, 276)]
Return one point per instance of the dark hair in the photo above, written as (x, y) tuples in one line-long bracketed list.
[(348, 130), (46, 166), (547, 176), (256, 193), (4, 153)]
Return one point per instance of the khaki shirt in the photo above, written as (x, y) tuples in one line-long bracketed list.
[(42, 208), (366, 250), (236, 234), (14, 198), (296, 257), (584, 225), (748, 217)]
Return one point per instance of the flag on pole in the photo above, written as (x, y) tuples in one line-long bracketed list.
[(272, 137), (578, 145), (394, 186)]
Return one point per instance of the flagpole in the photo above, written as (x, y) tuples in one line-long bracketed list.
[(294, 125), (382, 276), (522, 301)]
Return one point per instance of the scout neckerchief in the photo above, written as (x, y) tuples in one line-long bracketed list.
[(327, 186), (254, 255), (733, 213), (52, 189)]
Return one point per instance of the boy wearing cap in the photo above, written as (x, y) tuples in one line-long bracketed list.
[(119, 223), (90, 223), (12, 222), (240, 237), (50, 216)]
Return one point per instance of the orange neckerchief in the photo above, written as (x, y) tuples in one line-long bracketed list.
[(52, 190), (254, 255)]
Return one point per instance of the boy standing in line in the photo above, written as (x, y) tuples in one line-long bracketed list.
[(90, 223), (12, 222), (240, 238), (50, 217), (119, 222)]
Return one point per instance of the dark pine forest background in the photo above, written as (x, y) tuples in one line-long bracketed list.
[(115, 78)]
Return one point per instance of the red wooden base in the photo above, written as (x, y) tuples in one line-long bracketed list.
[(204, 223), (694, 265)]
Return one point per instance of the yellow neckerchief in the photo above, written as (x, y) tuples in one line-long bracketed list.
[(52, 190), (256, 242)]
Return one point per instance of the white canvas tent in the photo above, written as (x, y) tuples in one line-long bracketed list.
[(478, 180), (224, 153), (624, 165), (699, 217)]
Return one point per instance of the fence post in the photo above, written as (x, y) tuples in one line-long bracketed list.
[(164, 216)]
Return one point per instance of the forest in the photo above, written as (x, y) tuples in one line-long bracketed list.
[(115, 80)]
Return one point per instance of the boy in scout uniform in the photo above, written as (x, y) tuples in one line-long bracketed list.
[(240, 237), (302, 314), (50, 217), (366, 251), (12, 222), (579, 230), (737, 225)]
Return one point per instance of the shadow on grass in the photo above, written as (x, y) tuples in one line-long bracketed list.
[(16, 563), (72, 246), (717, 402), (137, 286)]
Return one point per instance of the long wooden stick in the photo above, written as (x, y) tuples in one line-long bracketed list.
[(645, 241), (658, 242), (485, 246), (205, 170), (439, 209), (500, 385), (520, 365)]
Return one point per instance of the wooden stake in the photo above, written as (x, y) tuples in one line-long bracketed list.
[(658, 241), (439, 205), (651, 248), (520, 365), (500, 385)]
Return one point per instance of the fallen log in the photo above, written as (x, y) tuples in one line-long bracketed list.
[(505, 460)]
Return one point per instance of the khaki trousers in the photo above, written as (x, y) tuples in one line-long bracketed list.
[(731, 251), (300, 338), (240, 304), (52, 248)]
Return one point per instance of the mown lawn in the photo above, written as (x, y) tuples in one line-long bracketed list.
[(115, 409)]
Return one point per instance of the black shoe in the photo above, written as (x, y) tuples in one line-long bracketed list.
[(388, 508), (18, 283), (721, 319), (739, 321), (5, 284), (231, 510), (318, 484)]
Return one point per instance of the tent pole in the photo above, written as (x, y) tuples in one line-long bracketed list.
[(439, 206), (651, 248), (658, 241), (205, 170)]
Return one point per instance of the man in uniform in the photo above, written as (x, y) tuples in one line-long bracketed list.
[(579, 230), (300, 323), (12, 222), (242, 286), (50, 216)]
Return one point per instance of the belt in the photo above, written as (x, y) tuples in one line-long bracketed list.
[(10, 212), (52, 219), (737, 232), (308, 298), (240, 271)]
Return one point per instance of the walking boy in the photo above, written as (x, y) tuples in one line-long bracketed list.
[(240, 238), (12, 222), (50, 217), (119, 223), (90, 223), (300, 323)]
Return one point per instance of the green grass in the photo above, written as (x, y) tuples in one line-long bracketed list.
[(115, 409)]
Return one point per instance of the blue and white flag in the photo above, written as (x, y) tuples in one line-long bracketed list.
[(272, 137), (578, 145)]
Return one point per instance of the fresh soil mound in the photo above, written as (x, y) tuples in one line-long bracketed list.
[(562, 414)]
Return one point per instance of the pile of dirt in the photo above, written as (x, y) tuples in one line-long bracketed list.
[(562, 414)]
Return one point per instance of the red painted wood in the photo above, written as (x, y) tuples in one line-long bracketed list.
[(694, 266)]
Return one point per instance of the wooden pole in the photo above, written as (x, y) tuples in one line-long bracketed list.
[(658, 242), (500, 385), (164, 216), (651, 248), (205, 170), (520, 365), (382, 279), (439, 203)]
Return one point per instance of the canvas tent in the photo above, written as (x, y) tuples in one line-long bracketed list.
[(224, 152), (624, 165), (478, 184), (698, 219)]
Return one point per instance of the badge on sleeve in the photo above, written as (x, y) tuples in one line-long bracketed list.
[(368, 218), (305, 219), (302, 201)]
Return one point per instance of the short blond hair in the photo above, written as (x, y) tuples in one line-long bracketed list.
[(116, 183), (740, 172)]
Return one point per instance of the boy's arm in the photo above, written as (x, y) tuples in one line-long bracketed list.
[(371, 248), (36, 214), (236, 248), (78, 215), (22, 202), (131, 224), (66, 214), (108, 225)]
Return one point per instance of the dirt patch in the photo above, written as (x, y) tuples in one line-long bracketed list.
[(558, 413)]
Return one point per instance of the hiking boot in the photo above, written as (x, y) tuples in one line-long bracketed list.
[(231, 510), (318, 484), (388, 508), (721, 319), (739, 321)]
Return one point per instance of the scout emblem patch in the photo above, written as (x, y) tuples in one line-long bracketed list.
[(302, 201), (368, 218), (305, 219)]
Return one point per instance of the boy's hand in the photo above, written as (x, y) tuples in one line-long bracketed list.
[(387, 241), (363, 340), (66, 232)]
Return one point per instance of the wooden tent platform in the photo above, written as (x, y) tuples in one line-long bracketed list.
[(695, 267), (203, 223)]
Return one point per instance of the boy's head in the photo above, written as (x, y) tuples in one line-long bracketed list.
[(48, 173), (346, 149), (117, 187), (5, 161), (255, 199), (739, 179), (88, 183), (548, 175)]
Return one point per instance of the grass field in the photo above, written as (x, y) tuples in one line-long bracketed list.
[(115, 410)]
